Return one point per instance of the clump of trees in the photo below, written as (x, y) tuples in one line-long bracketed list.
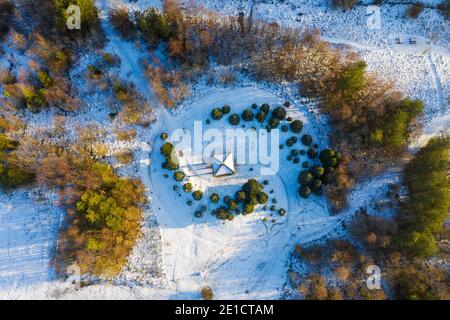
[(13, 173), (121, 20), (414, 10), (345, 4), (312, 180), (342, 262), (418, 282), (423, 214), (444, 8), (6, 15), (169, 153), (89, 14), (105, 222)]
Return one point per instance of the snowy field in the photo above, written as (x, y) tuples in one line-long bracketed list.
[(246, 258)]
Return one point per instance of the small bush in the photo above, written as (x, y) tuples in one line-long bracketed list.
[(247, 115), (6, 15), (234, 119), (226, 109), (444, 8), (124, 157), (262, 197), (307, 140), (207, 293), (312, 153), (345, 4), (265, 108), (164, 136), (305, 177), (179, 176), (279, 113), (187, 187), (261, 116), (216, 114), (121, 20), (232, 204), (317, 171), (296, 126), (198, 195), (274, 123), (241, 196), (214, 198), (305, 191), (415, 10)]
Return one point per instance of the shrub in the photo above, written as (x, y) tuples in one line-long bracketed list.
[(265, 108), (279, 113), (305, 191), (11, 174), (226, 109), (214, 198), (223, 213), (247, 115), (241, 196), (234, 119), (305, 177), (294, 152), (207, 293), (307, 140), (153, 26), (187, 187), (414, 10), (168, 151), (296, 126), (312, 153), (317, 171), (198, 195), (121, 20), (179, 176), (262, 197), (248, 208), (345, 4), (6, 14), (282, 212), (316, 185), (232, 204), (216, 114), (284, 128), (274, 123), (164, 136), (286, 104), (444, 7), (261, 116), (329, 158), (45, 79), (124, 157)]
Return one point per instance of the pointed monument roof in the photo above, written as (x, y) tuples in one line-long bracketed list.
[(223, 165)]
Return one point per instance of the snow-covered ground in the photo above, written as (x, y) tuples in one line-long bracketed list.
[(246, 258)]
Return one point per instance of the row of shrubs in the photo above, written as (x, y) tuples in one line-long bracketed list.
[(277, 116)]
